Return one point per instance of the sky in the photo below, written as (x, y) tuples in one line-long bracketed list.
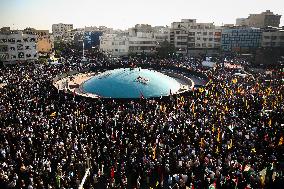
[(123, 14)]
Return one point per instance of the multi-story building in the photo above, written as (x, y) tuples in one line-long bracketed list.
[(272, 37), (261, 20), (141, 39), (44, 40), (241, 22), (18, 46), (114, 44), (161, 34), (60, 30), (191, 38), (241, 39)]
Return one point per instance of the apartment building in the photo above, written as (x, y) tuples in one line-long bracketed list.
[(60, 30), (261, 20), (272, 37), (44, 40), (17, 46), (192, 38), (114, 44)]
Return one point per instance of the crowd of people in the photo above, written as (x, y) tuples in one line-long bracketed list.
[(226, 134)]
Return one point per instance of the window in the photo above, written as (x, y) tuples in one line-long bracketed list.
[(273, 37), (210, 33), (204, 33)]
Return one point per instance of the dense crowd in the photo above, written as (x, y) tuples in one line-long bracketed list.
[(227, 134)]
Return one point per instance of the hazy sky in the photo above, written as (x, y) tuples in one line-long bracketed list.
[(122, 14)]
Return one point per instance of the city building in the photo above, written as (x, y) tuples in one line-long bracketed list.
[(161, 34), (138, 40), (17, 46), (142, 40), (114, 45), (60, 30), (261, 20), (44, 40), (192, 38), (241, 39), (272, 37), (92, 39), (241, 22)]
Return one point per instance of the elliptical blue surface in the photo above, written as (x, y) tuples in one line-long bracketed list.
[(131, 83)]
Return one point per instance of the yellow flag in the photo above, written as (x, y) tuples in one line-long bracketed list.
[(253, 150), (157, 183), (234, 80), (231, 144), (219, 136), (217, 150), (202, 142), (280, 141), (269, 122), (141, 117), (226, 109), (53, 114), (154, 153)]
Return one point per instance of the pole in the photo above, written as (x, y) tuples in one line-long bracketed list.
[(84, 179)]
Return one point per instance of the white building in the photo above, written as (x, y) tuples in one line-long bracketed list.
[(60, 30), (273, 37), (161, 34), (139, 39), (17, 46), (142, 39), (191, 38), (114, 44)]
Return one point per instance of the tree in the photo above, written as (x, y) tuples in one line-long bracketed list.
[(166, 50)]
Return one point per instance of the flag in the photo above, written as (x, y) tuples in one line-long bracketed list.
[(202, 142), (253, 150), (234, 80), (217, 150), (247, 167), (53, 114), (231, 144), (280, 141), (154, 152), (219, 135), (201, 90), (157, 183), (270, 122)]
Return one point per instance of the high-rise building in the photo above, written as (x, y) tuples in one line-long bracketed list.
[(261, 20)]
